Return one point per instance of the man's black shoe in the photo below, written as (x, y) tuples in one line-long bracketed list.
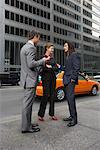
[(34, 125), (67, 119), (32, 130), (72, 123)]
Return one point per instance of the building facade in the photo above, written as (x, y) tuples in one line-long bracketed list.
[(77, 21)]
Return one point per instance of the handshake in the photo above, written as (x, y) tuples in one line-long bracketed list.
[(56, 65)]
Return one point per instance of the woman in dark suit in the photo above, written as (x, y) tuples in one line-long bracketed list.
[(70, 78), (49, 83)]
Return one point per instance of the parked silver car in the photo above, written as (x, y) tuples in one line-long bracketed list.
[(97, 78)]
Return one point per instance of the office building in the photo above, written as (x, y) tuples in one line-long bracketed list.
[(58, 21)]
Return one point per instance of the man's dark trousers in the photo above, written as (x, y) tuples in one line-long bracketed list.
[(71, 100)]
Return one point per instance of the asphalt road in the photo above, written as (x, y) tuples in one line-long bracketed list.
[(11, 101), (54, 135)]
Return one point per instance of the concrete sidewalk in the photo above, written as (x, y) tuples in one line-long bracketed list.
[(55, 135)]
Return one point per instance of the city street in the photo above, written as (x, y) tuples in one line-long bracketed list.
[(38, 40), (11, 101), (54, 135)]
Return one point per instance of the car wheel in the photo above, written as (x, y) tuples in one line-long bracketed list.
[(94, 90), (60, 94)]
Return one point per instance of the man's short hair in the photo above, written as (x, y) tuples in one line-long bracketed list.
[(33, 33)]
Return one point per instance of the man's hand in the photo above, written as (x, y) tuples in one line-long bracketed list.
[(46, 58), (72, 80)]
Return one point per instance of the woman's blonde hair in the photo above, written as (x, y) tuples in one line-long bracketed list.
[(47, 45)]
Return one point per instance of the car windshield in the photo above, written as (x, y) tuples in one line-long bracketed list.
[(81, 77)]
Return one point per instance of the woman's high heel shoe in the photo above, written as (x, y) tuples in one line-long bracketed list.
[(40, 118), (54, 118)]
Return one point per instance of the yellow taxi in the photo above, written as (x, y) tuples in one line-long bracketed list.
[(85, 86)]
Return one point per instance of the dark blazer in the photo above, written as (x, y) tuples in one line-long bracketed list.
[(49, 73), (72, 67)]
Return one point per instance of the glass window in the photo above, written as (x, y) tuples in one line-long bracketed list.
[(21, 19), (6, 1), (45, 3), (38, 24), (42, 13), (48, 4), (17, 3), (48, 38), (17, 31), (38, 11), (86, 13), (26, 7), (86, 30), (45, 26), (30, 21), (41, 2), (48, 27), (6, 29), (48, 15), (12, 16), (26, 20), (26, 33), (30, 9), (12, 30), (12, 2), (6, 14), (17, 54), (38, 1), (34, 10), (7, 49), (34, 23), (42, 25), (12, 53), (17, 17), (86, 4), (21, 5), (21, 32)]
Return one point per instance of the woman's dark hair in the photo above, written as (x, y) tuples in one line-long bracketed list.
[(47, 45), (71, 48), (33, 33)]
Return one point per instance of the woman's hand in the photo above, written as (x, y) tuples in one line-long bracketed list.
[(58, 65), (48, 66)]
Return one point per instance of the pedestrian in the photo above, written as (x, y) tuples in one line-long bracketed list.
[(29, 73), (70, 79), (49, 83)]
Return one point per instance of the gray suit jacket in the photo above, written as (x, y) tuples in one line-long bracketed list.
[(29, 66), (72, 67)]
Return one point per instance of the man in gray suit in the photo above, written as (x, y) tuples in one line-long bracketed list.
[(29, 74)]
